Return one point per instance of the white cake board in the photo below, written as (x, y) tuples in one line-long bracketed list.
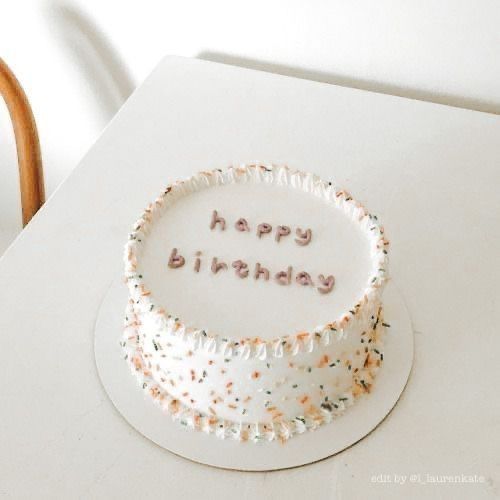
[(148, 419)]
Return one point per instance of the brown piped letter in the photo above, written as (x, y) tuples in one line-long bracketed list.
[(176, 260)]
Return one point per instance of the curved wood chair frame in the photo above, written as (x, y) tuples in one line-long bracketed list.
[(27, 143)]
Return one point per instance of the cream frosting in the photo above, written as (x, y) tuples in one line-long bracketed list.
[(289, 377)]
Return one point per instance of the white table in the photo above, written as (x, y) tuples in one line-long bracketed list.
[(432, 174)]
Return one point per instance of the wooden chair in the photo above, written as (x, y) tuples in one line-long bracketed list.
[(28, 146)]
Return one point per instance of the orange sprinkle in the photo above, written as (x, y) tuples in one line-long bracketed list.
[(255, 375), (155, 392), (137, 363), (174, 406), (323, 361), (303, 400)]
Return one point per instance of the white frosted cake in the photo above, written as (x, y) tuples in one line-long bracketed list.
[(255, 305)]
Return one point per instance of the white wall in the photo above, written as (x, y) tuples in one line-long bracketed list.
[(79, 60)]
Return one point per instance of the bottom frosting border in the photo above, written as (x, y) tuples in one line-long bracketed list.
[(227, 429)]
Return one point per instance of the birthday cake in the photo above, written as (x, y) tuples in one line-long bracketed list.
[(255, 301)]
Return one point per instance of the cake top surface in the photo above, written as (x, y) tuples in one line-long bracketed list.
[(256, 251)]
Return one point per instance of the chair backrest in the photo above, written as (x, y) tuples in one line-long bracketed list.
[(27, 143)]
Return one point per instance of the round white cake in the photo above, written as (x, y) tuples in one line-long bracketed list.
[(255, 305)]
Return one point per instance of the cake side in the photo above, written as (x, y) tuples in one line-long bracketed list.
[(259, 397), (250, 388)]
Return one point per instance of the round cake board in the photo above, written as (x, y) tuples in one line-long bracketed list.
[(149, 420)]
